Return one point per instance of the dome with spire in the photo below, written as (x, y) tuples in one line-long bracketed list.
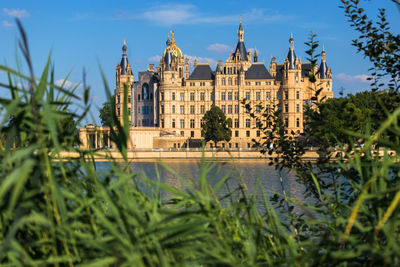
[(124, 60), (173, 49)]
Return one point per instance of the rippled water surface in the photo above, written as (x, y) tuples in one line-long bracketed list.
[(254, 173)]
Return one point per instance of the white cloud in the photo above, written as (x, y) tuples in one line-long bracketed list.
[(219, 48), (7, 24), (170, 14), (213, 62), (362, 78), (67, 84), (16, 13), (155, 58), (177, 14)]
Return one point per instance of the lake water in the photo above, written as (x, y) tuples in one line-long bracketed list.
[(256, 174)]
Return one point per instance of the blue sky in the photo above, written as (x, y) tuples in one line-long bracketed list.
[(84, 34)]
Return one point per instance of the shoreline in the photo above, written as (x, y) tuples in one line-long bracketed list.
[(104, 155)]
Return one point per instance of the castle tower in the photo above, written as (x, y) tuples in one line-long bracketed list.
[(255, 55), (173, 73), (291, 91), (124, 78), (325, 77)]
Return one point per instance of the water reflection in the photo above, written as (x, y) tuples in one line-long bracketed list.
[(256, 174)]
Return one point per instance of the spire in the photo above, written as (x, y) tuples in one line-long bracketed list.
[(240, 32), (124, 48), (255, 55), (172, 37), (323, 54), (291, 55), (124, 61), (168, 42), (323, 68)]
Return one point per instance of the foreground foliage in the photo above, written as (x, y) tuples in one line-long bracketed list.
[(70, 213)]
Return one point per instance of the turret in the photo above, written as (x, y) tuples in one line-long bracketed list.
[(323, 69), (291, 55), (124, 77), (255, 55)]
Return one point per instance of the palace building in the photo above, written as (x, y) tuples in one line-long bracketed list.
[(167, 103)]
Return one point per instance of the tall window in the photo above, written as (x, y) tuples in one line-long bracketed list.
[(297, 108), (236, 134), (278, 95), (212, 96), (119, 111), (258, 96), (268, 107), (236, 109), (119, 99), (173, 109), (191, 109), (223, 81), (247, 123), (182, 109), (236, 95), (192, 123), (268, 95), (286, 122), (191, 96), (230, 81), (247, 95), (223, 96), (286, 107), (201, 122), (230, 109), (286, 95), (229, 95), (182, 123), (297, 122), (162, 109), (129, 99), (182, 96), (173, 123), (297, 95), (236, 81), (236, 124), (223, 108), (173, 96), (162, 123), (145, 91), (202, 109), (202, 96)]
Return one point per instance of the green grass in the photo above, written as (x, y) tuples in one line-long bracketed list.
[(67, 214)]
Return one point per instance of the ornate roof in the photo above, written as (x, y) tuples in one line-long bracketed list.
[(202, 72), (257, 71), (172, 47)]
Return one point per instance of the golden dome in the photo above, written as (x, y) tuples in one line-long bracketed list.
[(173, 48)]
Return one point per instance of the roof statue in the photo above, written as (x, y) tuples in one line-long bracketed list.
[(172, 47)]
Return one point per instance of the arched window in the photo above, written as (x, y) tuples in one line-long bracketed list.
[(145, 91)]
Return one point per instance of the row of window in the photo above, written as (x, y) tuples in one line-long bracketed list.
[(145, 110), (227, 96), (119, 111), (119, 99), (297, 108), (192, 124), (258, 83)]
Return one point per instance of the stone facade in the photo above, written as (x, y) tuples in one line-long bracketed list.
[(170, 102)]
